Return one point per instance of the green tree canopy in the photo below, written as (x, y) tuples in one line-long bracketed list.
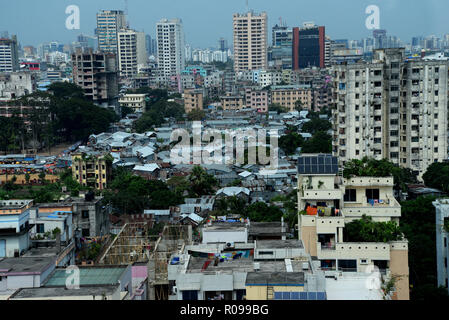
[(321, 142), (369, 167), (437, 176), (367, 230)]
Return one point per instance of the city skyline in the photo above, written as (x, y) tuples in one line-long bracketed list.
[(338, 18)]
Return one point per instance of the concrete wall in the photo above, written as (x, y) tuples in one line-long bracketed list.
[(309, 239), (224, 236), (399, 267)]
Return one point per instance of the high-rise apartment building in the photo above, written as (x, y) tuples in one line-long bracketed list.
[(250, 41), (9, 54), (309, 48), (109, 22), (392, 108), (96, 73), (131, 52), (170, 47)]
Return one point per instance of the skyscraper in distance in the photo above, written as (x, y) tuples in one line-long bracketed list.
[(309, 48), (250, 41), (109, 22), (170, 47)]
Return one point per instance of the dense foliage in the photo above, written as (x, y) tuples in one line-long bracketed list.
[(437, 176), (367, 230), (131, 194), (60, 115), (418, 226), (315, 125), (369, 167), (156, 114)]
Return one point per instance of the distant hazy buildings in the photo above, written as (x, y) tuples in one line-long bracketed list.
[(170, 47), (250, 41)]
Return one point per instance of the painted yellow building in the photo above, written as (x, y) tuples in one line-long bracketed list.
[(287, 96), (193, 100), (92, 170)]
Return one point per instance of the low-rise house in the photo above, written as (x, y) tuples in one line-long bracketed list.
[(95, 283), (14, 227), (149, 171)]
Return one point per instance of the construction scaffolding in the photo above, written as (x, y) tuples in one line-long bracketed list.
[(132, 244), (173, 240)]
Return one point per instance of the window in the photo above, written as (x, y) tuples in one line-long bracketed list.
[(85, 214), (40, 228), (85, 232), (350, 195), (372, 194)]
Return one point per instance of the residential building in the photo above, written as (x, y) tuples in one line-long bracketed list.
[(109, 22), (326, 202), (257, 99), (309, 46), (131, 52), (170, 47), (250, 41), (442, 238), (93, 170), (14, 227), (193, 100), (287, 96), (135, 101), (263, 270), (96, 73), (95, 283), (392, 108), (9, 54), (232, 102)]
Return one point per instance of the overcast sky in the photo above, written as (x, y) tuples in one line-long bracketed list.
[(205, 21)]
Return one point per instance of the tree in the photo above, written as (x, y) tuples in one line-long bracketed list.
[(437, 176), (290, 142), (196, 115), (156, 114), (321, 142), (27, 178), (201, 183), (277, 108), (370, 167), (261, 212), (418, 226), (299, 105), (367, 230), (315, 125)]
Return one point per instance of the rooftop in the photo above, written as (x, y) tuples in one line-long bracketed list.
[(278, 278), (25, 264), (47, 292), (88, 276), (279, 244)]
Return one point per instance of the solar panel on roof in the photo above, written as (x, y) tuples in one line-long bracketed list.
[(321, 164)]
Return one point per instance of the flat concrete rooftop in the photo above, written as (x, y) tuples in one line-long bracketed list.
[(25, 264), (47, 292), (279, 244)]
